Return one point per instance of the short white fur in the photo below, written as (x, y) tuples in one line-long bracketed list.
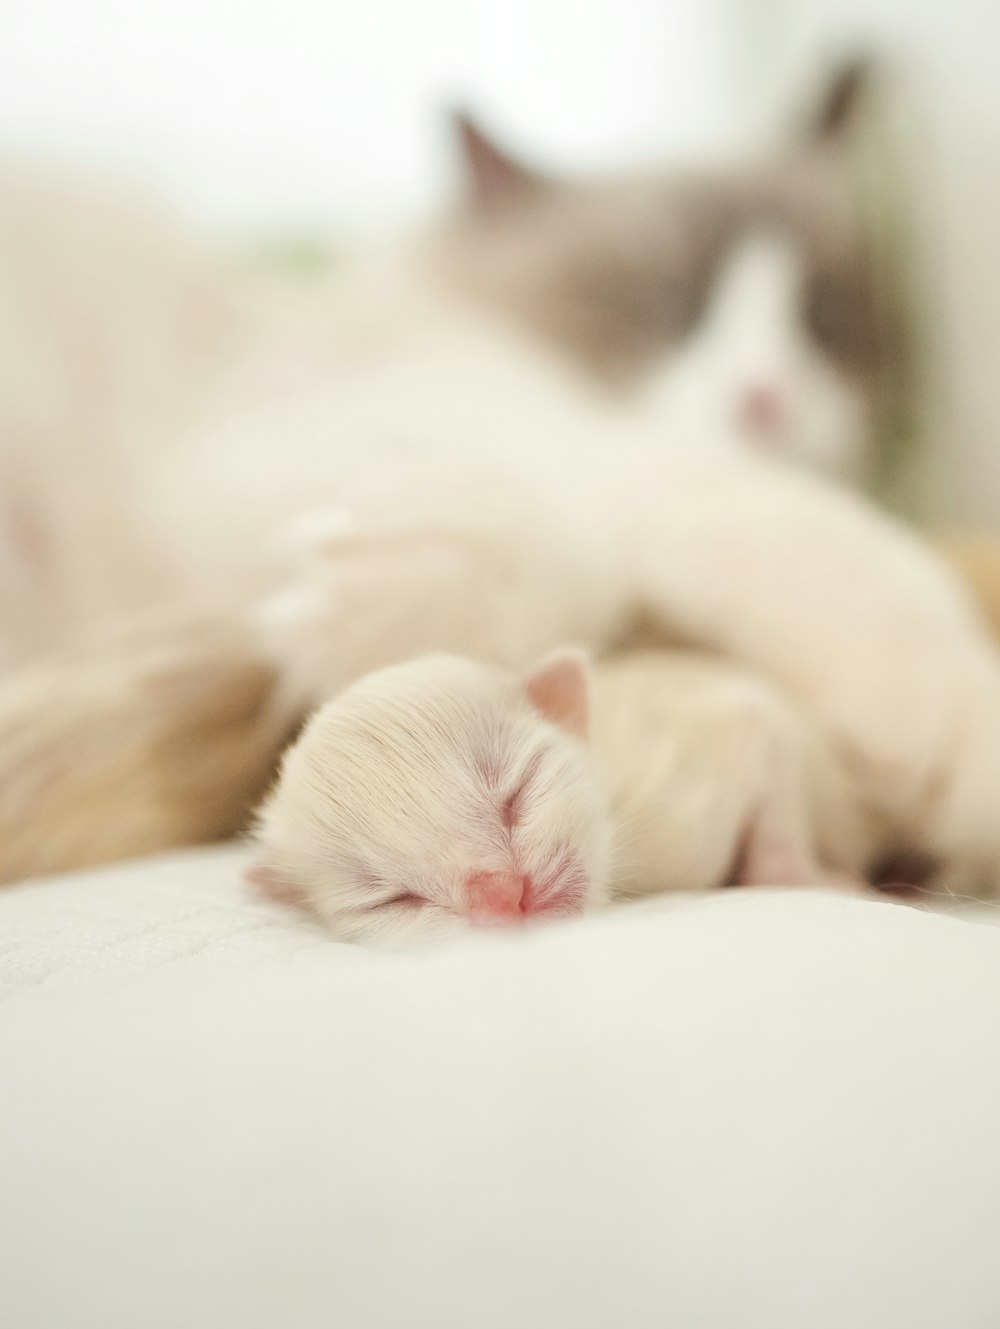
[(752, 344), (423, 776)]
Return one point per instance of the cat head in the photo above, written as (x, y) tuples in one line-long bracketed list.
[(737, 309), (438, 795)]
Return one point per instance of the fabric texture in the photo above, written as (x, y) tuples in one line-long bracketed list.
[(756, 1110)]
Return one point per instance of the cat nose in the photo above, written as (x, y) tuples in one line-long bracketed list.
[(763, 409), (496, 895)]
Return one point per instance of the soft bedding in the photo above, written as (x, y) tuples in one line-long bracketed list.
[(755, 1110)]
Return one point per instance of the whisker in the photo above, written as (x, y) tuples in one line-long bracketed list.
[(945, 892)]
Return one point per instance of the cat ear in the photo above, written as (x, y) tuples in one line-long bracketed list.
[(559, 689), (837, 108), (494, 179), (268, 882)]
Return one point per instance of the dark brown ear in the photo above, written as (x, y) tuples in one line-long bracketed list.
[(494, 178), (841, 100)]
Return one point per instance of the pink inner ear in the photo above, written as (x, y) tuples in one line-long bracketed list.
[(559, 689), (267, 883)]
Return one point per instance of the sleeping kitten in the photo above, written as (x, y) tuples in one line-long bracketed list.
[(715, 778), (857, 621), (443, 793), (437, 794)]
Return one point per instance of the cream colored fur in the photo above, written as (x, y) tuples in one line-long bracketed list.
[(364, 479), (428, 775), (114, 327), (420, 782), (165, 737), (851, 615), (848, 613), (715, 778)]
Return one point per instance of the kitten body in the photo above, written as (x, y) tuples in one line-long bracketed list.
[(715, 778)]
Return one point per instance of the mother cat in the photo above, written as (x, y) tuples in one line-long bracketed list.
[(567, 311), (160, 420)]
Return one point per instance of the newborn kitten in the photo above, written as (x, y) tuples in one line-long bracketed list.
[(714, 778), (442, 793), (438, 794)]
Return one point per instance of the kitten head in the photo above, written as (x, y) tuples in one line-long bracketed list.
[(735, 309), (437, 795)]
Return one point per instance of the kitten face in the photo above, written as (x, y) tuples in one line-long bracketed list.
[(436, 796)]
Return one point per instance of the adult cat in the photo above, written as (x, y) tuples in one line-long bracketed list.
[(161, 419), (472, 351)]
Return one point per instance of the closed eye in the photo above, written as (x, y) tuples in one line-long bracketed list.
[(512, 808), (372, 882), (404, 897)]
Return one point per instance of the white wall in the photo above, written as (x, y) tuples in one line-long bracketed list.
[(944, 54), (296, 110)]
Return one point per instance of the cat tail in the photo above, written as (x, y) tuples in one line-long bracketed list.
[(167, 736)]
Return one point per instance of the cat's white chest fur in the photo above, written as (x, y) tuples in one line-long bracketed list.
[(749, 377)]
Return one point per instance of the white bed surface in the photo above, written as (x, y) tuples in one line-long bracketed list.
[(759, 1110)]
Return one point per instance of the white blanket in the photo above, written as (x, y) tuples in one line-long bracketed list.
[(758, 1110)]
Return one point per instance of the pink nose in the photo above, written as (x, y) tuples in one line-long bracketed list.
[(496, 895), (763, 409)]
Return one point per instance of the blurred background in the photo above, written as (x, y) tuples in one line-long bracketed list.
[(294, 117)]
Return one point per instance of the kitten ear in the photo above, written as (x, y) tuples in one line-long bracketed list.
[(494, 179), (838, 106), (268, 882), (559, 689)]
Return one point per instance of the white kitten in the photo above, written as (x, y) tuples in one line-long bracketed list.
[(440, 794), (435, 795), (715, 778)]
